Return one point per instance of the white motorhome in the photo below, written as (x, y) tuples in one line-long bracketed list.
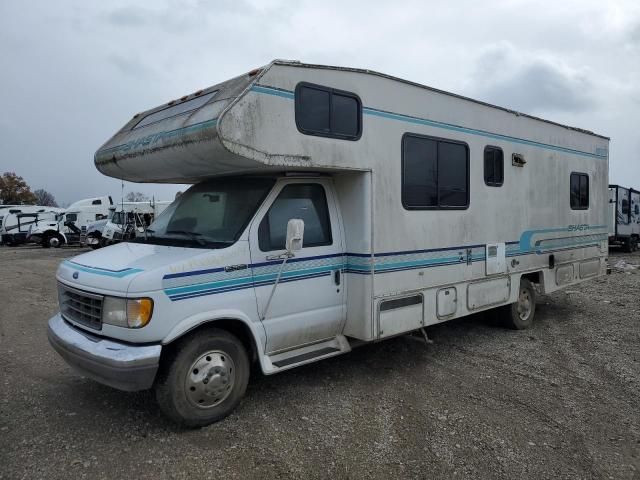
[(331, 207), (71, 225), (624, 217), (18, 220)]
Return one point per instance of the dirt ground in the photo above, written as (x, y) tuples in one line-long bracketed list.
[(558, 401)]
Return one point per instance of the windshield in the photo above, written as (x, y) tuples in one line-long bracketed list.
[(212, 214), (119, 218)]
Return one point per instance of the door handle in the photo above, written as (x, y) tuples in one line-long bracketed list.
[(336, 277)]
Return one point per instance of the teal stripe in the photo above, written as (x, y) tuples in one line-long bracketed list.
[(445, 126), (273, 91), (248, 280), (525, 238), (154, 137), (473, 131), (105, 273)]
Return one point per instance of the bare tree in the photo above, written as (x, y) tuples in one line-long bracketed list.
[(136, 197), (45, 198), (14, 190)]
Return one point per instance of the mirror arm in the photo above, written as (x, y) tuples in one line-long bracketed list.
[(286, 256)]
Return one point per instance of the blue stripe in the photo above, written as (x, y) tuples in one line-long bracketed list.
[(194, 272), (248, 281), (372, 264), (446, 126)]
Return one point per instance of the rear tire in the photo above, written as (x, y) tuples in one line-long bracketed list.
[(520, 315), (204, 378)]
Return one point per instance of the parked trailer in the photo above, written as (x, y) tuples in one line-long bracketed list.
[(71, 225), (624, 217), (17, 221), (332, 207)]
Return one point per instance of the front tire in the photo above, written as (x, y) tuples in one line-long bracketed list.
[(204, 379), (520, 315)]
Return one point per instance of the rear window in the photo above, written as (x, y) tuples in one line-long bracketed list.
[(175, 110)]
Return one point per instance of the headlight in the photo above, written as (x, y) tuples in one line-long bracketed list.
[(127, 312)]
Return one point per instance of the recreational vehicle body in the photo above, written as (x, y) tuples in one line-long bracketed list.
[(331, 207), (71, 225), (624, 217)]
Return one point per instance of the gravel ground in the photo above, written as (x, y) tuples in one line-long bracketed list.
[(557, 401)]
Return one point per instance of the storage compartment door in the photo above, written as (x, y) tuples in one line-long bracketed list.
[(399, 315)]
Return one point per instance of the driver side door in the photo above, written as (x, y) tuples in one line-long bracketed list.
[(308, 304)]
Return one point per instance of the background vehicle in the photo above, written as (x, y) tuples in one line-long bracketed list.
[(624, 217), (71, 225), (17, 221), (131, 219)]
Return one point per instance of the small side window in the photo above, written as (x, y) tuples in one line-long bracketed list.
[(579, 191), (328, 112), (96, 202), (493, 166), (307, 202)]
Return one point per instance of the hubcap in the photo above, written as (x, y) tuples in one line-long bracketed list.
[(54, 242), (210, 379), (524, 304)]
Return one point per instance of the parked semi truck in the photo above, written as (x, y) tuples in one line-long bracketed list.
[(126, 220), (71, 225), (330, 207)]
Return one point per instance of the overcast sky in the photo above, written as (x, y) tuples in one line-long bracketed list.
[(73, 72)]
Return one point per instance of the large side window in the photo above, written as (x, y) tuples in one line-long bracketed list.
[(307, 202), (435, 173), (493, 166), (579, 187), (328, 112)]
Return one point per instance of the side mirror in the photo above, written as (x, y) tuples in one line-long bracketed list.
[(295, 235)]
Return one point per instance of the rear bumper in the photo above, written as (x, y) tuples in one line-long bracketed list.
[(119, 365)]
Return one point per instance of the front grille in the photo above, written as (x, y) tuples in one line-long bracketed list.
[(81, 307)]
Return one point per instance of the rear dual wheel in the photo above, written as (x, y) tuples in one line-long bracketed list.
[(519, 315)]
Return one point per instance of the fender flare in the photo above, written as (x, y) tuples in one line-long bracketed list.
[(195, 321)]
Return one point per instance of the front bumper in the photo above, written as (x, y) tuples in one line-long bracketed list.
[(119, 365)]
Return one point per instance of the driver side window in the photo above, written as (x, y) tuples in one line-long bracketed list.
[(307, 202)]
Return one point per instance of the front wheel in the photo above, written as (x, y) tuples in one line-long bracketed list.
[(205, 378), (519, 315)]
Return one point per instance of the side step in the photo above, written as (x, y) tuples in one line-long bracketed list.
[(307, 354)]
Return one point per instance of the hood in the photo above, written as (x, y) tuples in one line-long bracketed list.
[(138, 267)]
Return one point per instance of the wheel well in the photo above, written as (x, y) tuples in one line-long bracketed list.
[(533, 277), (235, 327), (537, 278)]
